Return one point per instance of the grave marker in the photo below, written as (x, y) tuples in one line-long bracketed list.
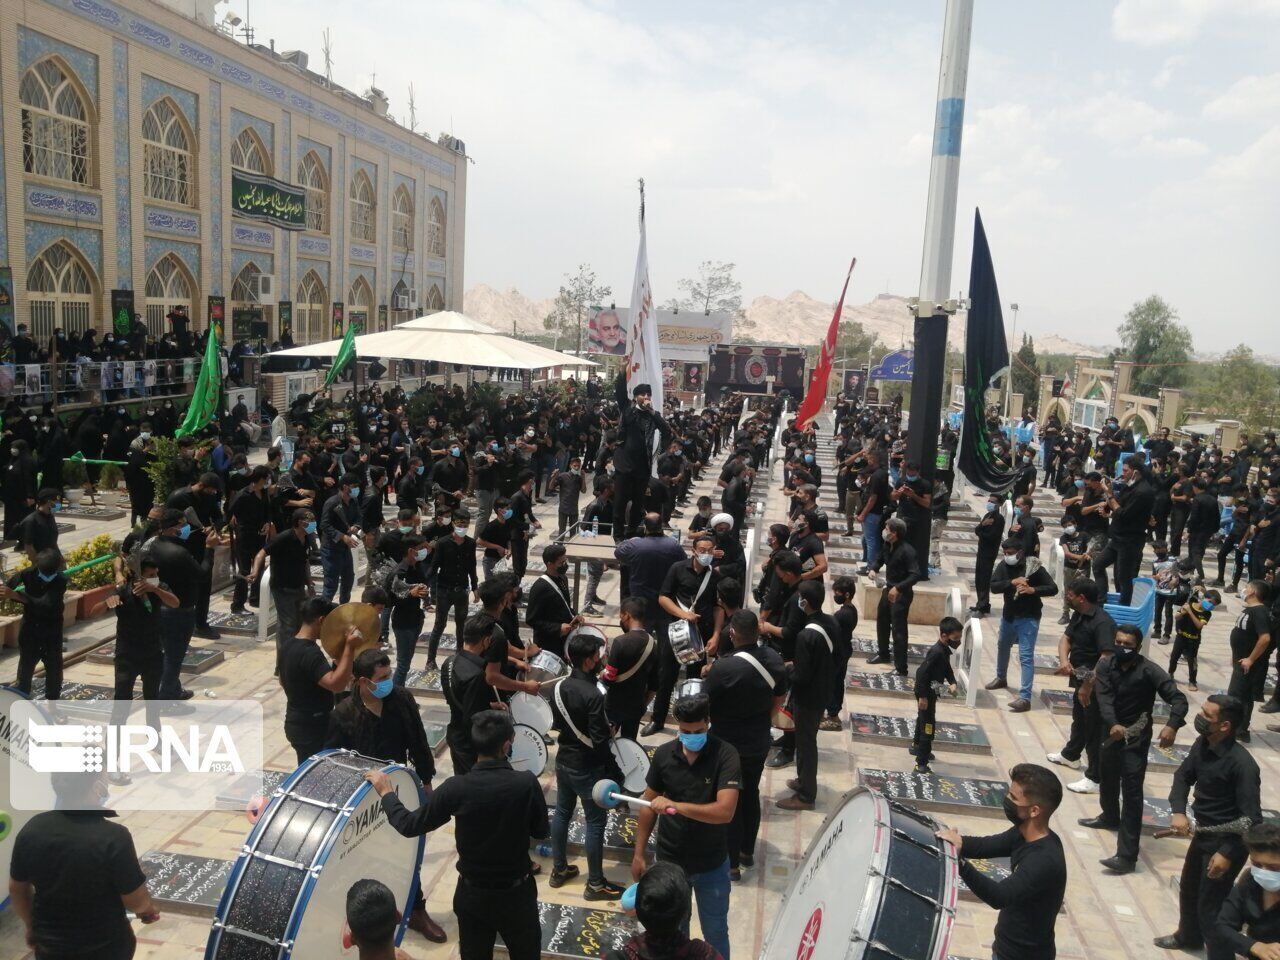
[(888, 684), (930, 791), (998, 869), (900, 731), (579, 933), (241, 624), (185, 884), (196, 661), (424, 684), (619, 833), (1157, 815)]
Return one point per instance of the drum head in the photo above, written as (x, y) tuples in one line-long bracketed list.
[(528, 750), (634, 763), (13, 749), (587, 630), (531, 711), (689, 688), (546, 666)]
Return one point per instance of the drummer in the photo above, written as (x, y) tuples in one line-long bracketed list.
[(504, 655), (583, 758), (310, 680), (466, 691), (688, 593), (631, 673), (810, 675), (1031, 896), (381, 720), (550, 611)]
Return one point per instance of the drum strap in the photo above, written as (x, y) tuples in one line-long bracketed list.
[(568, 719), (701, 587), (813, 626), (649, 646), (760, 668), (446, 685), (556, 587)]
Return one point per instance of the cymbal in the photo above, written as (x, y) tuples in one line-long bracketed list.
[(335, 626)]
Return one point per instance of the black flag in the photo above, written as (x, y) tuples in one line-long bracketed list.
[(986, 356)]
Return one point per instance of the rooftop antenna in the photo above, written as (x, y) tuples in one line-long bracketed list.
[(247, 30), (413, 112), (328, 57)]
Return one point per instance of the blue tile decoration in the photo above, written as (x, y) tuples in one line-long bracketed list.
[(402, 260), (361, 253), (120, 153), (409, 184), (33, 46), (153, 89), (353, 271), (435, 265), (342, 208), (188, 253), (265, 261), (264, 130), (215, 187), (322, 151), (370, 169), (39, 235), (314, 246), (290, 175), (44, 201), (321, 267), (179, 223), (194, 54), (253, 236), (384, 231)]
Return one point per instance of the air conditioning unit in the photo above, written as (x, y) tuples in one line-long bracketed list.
[(402, 302), (413, 298), (266, 288)]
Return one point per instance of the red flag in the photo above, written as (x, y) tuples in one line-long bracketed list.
[(816, 395)]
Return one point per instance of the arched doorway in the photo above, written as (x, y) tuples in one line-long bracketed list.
[(61, 293), (168, 288), (311, 310)]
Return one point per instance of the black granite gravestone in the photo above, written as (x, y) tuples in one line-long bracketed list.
[(196, 661), (185, 884), (241, 624), (1156, 814), (866, 647), (930, 791), (887, 684), (998, 868), (900, 731), (580, 933), (424, 684), (619, 834)]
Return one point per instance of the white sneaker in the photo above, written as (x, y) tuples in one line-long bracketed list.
[(1062, 761), (1083, 785)]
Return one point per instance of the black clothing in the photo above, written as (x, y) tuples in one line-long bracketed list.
[(397, 735), (901, 568), (1127, 692), (933, 669), (462, 682), (1019, 606), (1243, 909), (812, 666), (337, 520), (1028, 899), (302, 664), (179, 569), (289, 564), (741, 701), (548, 609), (695, 846), (454, 563), (633, 655), (683, 584), (37, 530), (1089, 635), (583, 709), (1228, 786)]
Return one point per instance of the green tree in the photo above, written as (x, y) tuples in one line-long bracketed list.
[(713, 290), (1152, 337), (577, 296), (1025, 371), (1239, 387)]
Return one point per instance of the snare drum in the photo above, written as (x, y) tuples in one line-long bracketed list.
[(528, 750), (546, 666), (587, 630), (689, 688), (531, 710), (322, 830), (875, 882), (633, 761), (686, 642)]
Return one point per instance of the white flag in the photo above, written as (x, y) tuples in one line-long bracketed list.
[(643, 362)]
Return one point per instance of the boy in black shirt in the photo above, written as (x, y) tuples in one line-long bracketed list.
[(1193, 617), (846, 617), (1031, 896), (933, 672)]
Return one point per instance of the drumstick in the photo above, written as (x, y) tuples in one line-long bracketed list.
[(606, 794)]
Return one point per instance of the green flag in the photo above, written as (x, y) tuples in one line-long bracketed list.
[(346, 353), (208, 392)]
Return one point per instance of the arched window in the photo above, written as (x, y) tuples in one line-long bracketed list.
[(60, 292), (363, 210), (435, 228), (399, 296), (311, 310), (313, 178), (249, 153), (168, 286), (402, 218), (360, 304), (168, 172), (245, 287), (56, 139), (435, 299)]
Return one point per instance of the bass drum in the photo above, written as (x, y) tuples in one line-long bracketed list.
[(322, 830), (875, 884), (528, 750), (633, 761), (531, 710), (13, 750)]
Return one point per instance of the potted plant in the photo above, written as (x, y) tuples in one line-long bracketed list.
[(74, 478), (91, 585)]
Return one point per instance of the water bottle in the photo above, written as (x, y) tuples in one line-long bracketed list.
[(544, 849), (595, 528)]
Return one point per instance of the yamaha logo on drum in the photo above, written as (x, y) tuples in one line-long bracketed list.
[(362, 824), (820, 857)]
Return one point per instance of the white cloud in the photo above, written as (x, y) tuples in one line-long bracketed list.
[(1254, 166), (1118, 118), (1150, 146), (1248, 98), (1154, 23)]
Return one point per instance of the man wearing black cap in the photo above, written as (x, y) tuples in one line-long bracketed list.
[(641, 432)]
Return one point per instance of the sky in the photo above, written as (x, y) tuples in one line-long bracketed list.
[(1116, 148)]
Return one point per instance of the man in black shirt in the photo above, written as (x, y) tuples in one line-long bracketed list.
[(44, 587), (688, 593), (1031, 896), (1250, 646), (1130, 500), (1023, 581), (875, 499), (639, 426), (1228, 786), (1253, 902), (250, 514), (201, 507), (496, 811), (696, 778), (38, 530), (310, 680), (339, 535), (631, 671), (914, 497), (901, 573), (743, 689), (1126, 691), (494, 536), (990, 533), (549, 612), (382, 721), (522, 519), (185, 577), (290, 581), (1202, 522), (582, 758), (933, 673), (1089, 637), (809, 674), (463, 683), (74, 874), (453, 561)]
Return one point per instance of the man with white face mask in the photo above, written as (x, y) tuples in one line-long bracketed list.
[(1024, 584)]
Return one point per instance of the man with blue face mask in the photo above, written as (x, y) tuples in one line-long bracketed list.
[(1249, 923), (990, 532), (185, 576), (914, 497), (693, 786), (339, 535), (382, 721), (40, 635)]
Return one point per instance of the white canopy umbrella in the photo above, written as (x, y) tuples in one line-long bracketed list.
[(476, 347)]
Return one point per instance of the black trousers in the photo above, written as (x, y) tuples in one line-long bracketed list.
[(1086, 733), (128, 670), (1230, 547), (1249, 686), (1188, 648), (923, 740), (1178, 514), (519, 554), (40, 643), (461, 751), (1126, 556), (1200, 899), (745, 825), (1165, 606), (1197, 544), (982, 579), (306, 736), (806, 734), (246, 549), (891, 617), (668, 670), (836, 704), (484, 913), (628, 501), (1124, 768), (448, 598)]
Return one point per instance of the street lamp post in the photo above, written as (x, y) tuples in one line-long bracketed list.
[(1013, 349)]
